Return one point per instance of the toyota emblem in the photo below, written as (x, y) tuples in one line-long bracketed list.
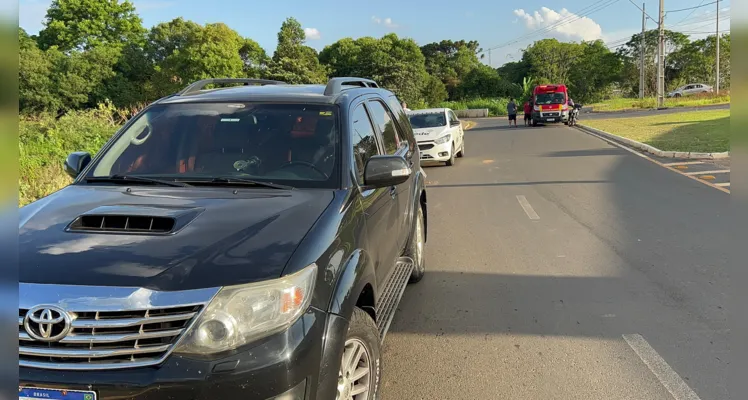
[(47, 323)]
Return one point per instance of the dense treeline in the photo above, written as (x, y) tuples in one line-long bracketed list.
[(94, 51)]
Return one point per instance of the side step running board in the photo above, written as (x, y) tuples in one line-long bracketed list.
[(390, 298)]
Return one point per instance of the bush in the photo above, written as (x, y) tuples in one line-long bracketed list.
[(44, 142), (496, 106)]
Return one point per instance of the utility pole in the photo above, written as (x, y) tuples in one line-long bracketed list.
[(642, 51), (661, 58), (717, 86)]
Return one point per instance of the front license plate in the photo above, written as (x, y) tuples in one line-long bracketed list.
[(551, 119), (29, 393)]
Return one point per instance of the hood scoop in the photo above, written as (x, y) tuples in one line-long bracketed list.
[(152, 220)]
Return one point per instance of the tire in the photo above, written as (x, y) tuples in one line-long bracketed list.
[(534, 123), (419, 267), (362, 335), (451, 160)]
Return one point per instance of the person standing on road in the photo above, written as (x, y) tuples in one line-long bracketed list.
[(405, 106), (511, 109), (528, 111)]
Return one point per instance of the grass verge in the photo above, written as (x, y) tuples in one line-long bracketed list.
[(696, 131), (622, 104)]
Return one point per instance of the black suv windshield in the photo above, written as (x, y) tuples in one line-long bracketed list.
[(292, 144), (550, 98), (418, 121)]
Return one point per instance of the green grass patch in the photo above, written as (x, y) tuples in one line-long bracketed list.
[(697, 131), (496, 106), (621, 104), (44, 142)]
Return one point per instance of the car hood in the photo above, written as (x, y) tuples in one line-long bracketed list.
[(222, 236), (430, 134)]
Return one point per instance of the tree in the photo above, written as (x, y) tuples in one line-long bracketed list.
[(394, 63), (552, 61), (484, 81), (631, 53), (293, 62), (83, 24), (594, 72), (255, 59), (451, 61), (434, 91), (183, 52), (696, 61)]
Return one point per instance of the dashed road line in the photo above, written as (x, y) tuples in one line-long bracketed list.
[(660, 368), (527, 207), (725, 184), (720, 171)]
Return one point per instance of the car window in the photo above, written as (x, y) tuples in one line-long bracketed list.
[(550, 98), (382, 117), (430, 120), (293, 144), (364, 141), (452, 118)]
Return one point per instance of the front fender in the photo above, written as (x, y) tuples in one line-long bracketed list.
[(357, 273)]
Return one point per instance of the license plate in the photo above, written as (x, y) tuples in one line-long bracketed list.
[(551, 119), (29, 393)]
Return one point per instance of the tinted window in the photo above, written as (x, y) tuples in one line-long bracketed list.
[(364, 142), (296, 144), (383, 119), (419, 121)]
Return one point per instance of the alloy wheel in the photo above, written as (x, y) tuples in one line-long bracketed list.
[(354, 377)]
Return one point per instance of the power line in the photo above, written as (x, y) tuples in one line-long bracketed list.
[(597, 6), (692, 8), (689, 14), (640, 9)]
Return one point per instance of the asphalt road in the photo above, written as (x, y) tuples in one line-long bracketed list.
[(644, 113), (562, 267)]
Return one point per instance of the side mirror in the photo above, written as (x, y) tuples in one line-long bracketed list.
[(76, 162), (383, 171), (455, 123)]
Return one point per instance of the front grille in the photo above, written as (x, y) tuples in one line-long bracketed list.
[(425, 146), (552, 114), (108, 339)]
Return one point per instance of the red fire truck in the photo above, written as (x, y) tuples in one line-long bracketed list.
[(550, 104)]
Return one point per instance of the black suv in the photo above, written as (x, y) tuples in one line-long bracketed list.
[(245, 242)]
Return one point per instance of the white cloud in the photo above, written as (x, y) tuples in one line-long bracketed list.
[(312, 33), (562, 24), (387, 22)]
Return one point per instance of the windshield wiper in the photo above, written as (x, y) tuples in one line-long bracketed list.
[(226, 180), (128, 179)]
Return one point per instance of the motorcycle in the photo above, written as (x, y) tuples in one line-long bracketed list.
[(574, 114)]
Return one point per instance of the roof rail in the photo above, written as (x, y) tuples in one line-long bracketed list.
[(199, 85), (335, 85)]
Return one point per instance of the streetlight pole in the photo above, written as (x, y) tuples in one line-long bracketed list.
[(642, 48), (717, 85)]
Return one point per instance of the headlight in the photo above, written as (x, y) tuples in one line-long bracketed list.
[(443, 139), (240, 314), (536, 108)]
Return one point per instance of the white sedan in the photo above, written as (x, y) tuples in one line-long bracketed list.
[(694, 88), (439, 134)]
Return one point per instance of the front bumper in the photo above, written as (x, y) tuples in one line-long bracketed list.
[(549, 117), (435, 152), (284, 366)]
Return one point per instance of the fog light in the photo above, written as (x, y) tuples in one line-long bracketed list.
[(443, 154)]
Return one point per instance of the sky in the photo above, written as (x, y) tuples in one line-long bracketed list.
[(505, 26)]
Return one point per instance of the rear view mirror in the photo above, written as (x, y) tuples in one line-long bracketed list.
[(76, 162), (383, 171)]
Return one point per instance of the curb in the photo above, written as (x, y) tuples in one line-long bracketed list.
[(655, 151)]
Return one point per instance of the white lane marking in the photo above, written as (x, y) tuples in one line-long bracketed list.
[(726, 184), (721, 171), (683, 163), (660, 368), (527, 207)]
